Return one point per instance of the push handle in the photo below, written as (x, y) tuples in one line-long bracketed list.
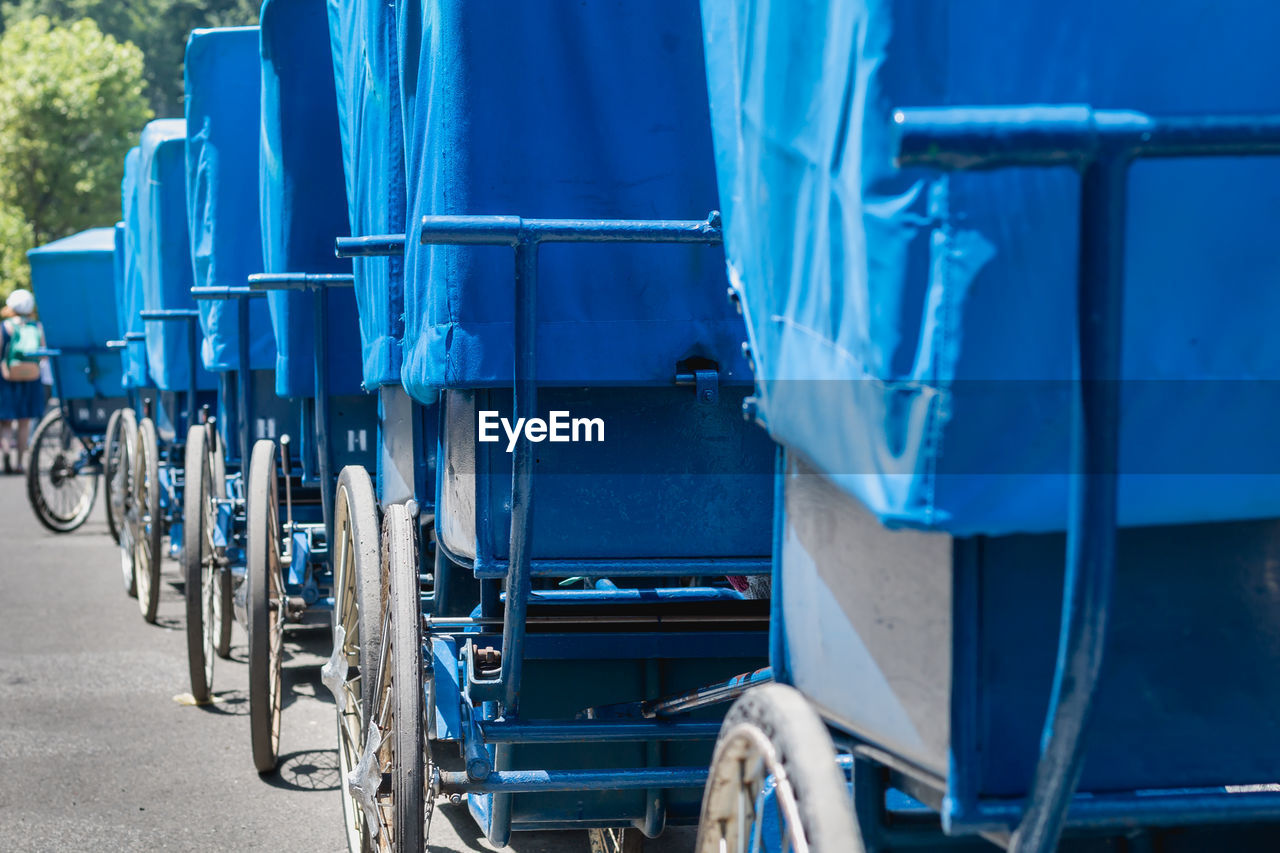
[(265, 281), (222, 292), (373, 246)]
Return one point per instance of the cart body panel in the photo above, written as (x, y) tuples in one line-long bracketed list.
[(365, 64), (222, 84), (303, 197), (908, 326), (129, 297), (73, 282), (606, 123), (165, 254)]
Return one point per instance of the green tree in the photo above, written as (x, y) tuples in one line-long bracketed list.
[(71, 105), (158, 27), (15, 239)]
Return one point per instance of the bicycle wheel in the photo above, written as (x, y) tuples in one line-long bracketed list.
[(149, 524), (60, 494)]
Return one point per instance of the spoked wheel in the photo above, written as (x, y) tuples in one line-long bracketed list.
[(616, 840), (111, 473), (61, 496), (394, 732), (774, 771), (223, 590), (265, 603), (208, 587), (149, 525), (120, 494), (357, 629)]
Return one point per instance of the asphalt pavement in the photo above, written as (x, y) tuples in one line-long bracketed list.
[(97, 750)]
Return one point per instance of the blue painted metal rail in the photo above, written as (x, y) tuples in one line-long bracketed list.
[(373, 246), (531, 781), (320, 284), (191, 316), (1100, 144)]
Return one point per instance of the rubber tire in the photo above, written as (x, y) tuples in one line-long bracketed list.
[(109, 444), (404, 622), (43, 512), (147, 481), (262, 547), (195, 500), (803, 758), (129, 451), (356, 533)]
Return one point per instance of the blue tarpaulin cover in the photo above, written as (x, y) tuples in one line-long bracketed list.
[(165, 252), (129, 285), (549, 109), (364, 68), (303, 195), (73, 282), (222, 83), (914, 332)]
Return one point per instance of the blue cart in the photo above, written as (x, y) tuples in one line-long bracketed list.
[(77, 310), (559, 658), (120, 451), (184, 388), (294, 540), (222, 87), (992, 473)]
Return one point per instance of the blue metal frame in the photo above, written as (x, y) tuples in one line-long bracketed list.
[(171, 461), (524, 236), (1100, 145)]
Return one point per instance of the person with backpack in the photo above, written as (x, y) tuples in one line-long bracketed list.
[(22, 395)]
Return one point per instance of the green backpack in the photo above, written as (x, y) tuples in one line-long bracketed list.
[(21, 364)]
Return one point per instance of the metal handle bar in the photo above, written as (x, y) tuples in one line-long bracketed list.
[(54, 352), (117, 344), (376, 245), (1001, 137), (1100, 144), (193, 347), (135, 337), (264, 281), (170, 314), (223, 292), (511, 230)]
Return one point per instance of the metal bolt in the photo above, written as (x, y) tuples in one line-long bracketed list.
[(735, 299), (455, 799)]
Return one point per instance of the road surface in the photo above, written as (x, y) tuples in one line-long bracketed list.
[(98, 753)]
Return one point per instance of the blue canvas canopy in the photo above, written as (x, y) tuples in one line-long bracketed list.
[(365, 72), (303, 195), (129, 299), (165, 251), (913, 332), (222, 84), (549, 109), (73, 282)]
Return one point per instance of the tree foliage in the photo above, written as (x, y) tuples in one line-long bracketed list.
[(15, 239), (158, 27), (71, 105)]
